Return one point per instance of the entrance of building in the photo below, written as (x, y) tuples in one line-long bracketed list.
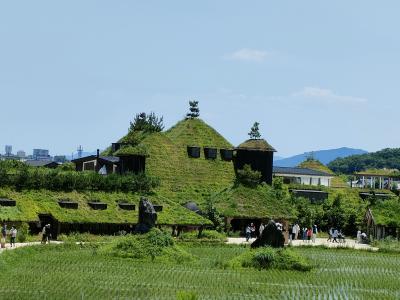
[(45, 219)]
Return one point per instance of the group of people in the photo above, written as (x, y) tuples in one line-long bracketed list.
[(335, 235), (295, 232), (250, 230), (12, 233)]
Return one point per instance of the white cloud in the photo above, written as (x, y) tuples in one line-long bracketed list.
[(326, 95), (247, 54)]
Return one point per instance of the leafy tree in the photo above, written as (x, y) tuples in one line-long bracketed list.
[(147, 123), (194, 111), (248, 177), (255, 132), (335, 214), (213, 215)]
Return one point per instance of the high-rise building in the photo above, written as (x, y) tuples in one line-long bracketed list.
[(40, 154), (8, 150)]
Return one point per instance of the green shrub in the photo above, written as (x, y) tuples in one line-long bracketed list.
[(186, 295), (206, 235), (248, 177), (23, 232), (153, 245), (270, 258)]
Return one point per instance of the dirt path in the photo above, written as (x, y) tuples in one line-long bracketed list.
[(318, 242)]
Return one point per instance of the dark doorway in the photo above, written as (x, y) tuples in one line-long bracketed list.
[(45, 219)]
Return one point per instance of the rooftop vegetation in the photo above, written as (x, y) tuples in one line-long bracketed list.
[(387, 212), (313, 164), (31, 203)]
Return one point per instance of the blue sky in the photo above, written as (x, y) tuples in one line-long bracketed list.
[(315, 74)]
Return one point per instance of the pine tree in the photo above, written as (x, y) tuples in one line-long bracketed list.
[(194, 110), (255, 132)]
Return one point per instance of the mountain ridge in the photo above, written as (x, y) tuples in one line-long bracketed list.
[(324, 156)]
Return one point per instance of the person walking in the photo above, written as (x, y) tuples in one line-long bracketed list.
[(44, 235), (13, 236), (248, 232), (359, 236), (3, 236), (330, 235), (335, 235), (294, 231), (261, 229), (296, 236), (309, 234), (314, 232), (304, 234), (253, 230)]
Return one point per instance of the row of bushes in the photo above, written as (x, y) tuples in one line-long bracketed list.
[(24, 177)]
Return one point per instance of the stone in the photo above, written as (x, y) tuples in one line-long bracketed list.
[(147, 216), (271, 236)]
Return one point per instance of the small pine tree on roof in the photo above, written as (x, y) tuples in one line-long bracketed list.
[(194, 110), (255, 132)]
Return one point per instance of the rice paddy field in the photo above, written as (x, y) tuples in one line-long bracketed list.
[(73, 272)]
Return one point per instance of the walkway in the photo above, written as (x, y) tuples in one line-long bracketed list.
[(19, 245), (318, 242)]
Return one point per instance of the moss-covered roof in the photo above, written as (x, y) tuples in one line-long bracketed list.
[(387, 212), (256, 144), (183, 178), (245, 202), (132, 150), (196, 132), (313, 164), (31, 203)]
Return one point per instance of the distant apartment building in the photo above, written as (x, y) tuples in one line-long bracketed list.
[(60, 158), (21, 154), (41, 154), (8, 150)]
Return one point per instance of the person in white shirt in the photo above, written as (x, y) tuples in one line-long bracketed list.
[(13, 235)]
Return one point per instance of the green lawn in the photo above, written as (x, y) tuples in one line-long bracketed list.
[(69, 272)]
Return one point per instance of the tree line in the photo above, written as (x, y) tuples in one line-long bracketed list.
[(386, 158)]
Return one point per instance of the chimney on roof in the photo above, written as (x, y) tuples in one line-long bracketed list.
[(98, 153)]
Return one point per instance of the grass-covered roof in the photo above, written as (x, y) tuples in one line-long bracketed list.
[(132, 150), (256, 144), (261, 201), (387, 212), (31, 203), (313, 164), (183, 178)]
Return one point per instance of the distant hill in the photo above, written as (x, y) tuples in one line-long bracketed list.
[(383, 159), (324, 156)]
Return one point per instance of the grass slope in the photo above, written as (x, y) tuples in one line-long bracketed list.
[(183, 178), (261, 202)]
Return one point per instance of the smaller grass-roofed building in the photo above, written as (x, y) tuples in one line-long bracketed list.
[(259, 155), (383, 219), (241, 205)]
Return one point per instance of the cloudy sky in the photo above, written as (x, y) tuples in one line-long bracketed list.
[(315, 74)]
